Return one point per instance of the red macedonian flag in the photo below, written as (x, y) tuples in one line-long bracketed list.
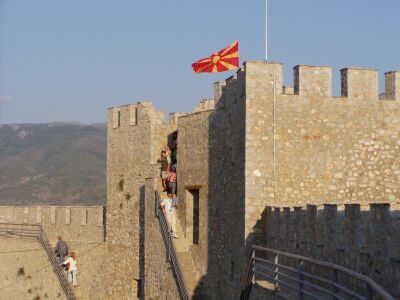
[(224, 60)]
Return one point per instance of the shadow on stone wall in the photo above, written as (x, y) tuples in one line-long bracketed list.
[(142, 215), (364, 239), (226, 198)]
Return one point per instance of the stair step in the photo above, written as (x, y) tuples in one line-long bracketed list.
[(184, 254), (181, 247), (191, 278), (188, 268), (185, 262)]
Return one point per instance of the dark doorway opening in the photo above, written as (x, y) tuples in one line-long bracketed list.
[(195, 199)]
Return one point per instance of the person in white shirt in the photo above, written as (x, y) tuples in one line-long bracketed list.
[(72, 270), (169, 207)]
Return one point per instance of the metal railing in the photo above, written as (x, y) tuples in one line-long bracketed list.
[(171, 252), (37, 231), (307, 278)]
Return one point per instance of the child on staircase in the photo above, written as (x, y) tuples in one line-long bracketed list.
[(72, 269)]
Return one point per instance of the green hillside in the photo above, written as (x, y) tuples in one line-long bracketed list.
[(56, 163)]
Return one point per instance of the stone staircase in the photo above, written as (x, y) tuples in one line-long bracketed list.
[(78, 293), (188, 268), (190, 275)]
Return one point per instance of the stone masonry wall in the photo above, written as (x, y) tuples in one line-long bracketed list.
[(135, 136), (128, 161), (327, 149), (192, 172), (262, 84), (337, 150), (363, 238), (263, 144), (82, 227), (226, 190), (73, 223), (159, 281), (26, 271)]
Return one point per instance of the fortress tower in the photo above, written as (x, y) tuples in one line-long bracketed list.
[(256, 145), (135, 136)]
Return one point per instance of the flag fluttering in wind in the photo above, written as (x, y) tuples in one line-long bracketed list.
[(224, 60)]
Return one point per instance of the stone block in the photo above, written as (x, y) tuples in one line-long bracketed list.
[(313, 81), (392, 85), (360, 83)]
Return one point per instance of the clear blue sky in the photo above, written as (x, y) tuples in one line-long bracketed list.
[(70, 60)]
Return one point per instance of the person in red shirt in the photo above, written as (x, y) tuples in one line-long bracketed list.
[(171, 178)]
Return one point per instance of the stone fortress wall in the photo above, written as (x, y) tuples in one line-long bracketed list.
[(135, 137), (326, 150), (82, 227), (73, 223), (364, 238), (257, 144), (25, 269)]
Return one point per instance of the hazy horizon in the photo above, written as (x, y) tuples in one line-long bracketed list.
[(70, 61)]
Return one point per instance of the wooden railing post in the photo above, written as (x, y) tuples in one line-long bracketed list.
[(276, 270), (335, 280), (301, 277), (253, 267), (368, 293)]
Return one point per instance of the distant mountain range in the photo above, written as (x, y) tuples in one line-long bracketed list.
[(55, 163)]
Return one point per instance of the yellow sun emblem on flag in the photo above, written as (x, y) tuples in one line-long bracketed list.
[(224, 60)]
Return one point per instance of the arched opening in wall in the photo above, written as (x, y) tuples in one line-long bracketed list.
[(86, 217)]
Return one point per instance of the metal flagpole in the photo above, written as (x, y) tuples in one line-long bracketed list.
[(266, 29)]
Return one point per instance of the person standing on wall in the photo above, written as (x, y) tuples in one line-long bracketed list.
[(165, 165), (169, 207), (171, 179), (61, 249), (171, 203), (71, 268)]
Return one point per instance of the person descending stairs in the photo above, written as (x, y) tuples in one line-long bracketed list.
[(190, 275)]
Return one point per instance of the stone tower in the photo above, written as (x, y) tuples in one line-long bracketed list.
[(135, 135)]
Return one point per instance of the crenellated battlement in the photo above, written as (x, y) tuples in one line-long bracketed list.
[(173, 117), (73, 223), (205, 104), (315, 82), (53, 215), (312, 81), (361, 237), (134, 114), (392, 85)]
